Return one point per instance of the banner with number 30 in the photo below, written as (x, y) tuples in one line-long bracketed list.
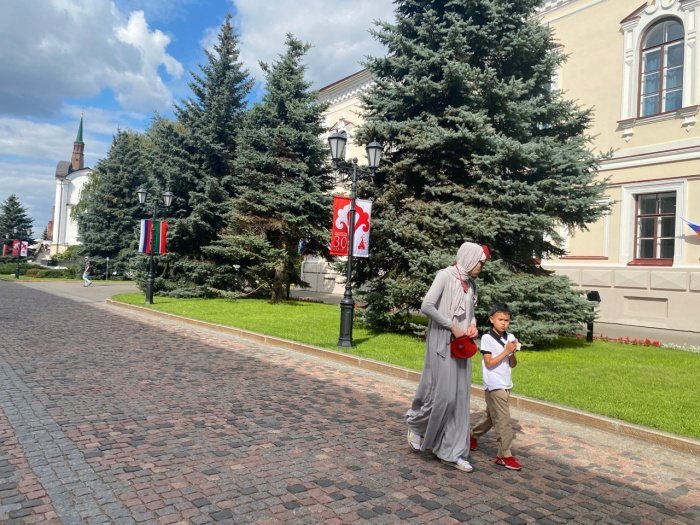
[(341, 220)]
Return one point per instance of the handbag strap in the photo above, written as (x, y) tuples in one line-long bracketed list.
[(498, 338)]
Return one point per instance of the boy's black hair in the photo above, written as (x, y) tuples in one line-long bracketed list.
[(500, 307)]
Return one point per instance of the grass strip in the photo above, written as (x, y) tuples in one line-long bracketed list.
[(652, 386)]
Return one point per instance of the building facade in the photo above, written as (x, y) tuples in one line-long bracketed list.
[(343, 115), (70, 179), (638, 67)]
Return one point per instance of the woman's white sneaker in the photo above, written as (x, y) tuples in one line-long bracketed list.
[(414, 440), (461, 464)]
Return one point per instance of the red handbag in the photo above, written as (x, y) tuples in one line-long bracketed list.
[(463, 347)]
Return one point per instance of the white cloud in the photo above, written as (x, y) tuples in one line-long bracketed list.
[(59, 49), (30, 151), (17, 177), (338, 32)]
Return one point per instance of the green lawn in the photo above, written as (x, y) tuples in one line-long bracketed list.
[(650, 386)]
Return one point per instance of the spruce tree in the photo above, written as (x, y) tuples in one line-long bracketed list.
[(109, 209), (14, 220), (479, 147), (282, 183), (201, 157)]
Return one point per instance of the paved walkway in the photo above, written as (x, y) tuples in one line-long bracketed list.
[(112, 416)]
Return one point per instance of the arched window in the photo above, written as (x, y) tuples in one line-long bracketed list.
[(661, 82)]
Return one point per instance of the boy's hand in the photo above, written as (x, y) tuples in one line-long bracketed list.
[(511, 347)]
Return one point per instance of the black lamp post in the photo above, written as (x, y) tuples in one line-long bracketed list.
[(9, 237), (337, 142), (167, 200), (19, 254)]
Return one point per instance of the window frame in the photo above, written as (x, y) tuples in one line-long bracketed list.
[(633, 28), (628, 223), (656, 237), (663, 51)]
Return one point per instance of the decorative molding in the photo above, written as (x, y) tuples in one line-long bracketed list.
[(687, 114), (627, 215), (550, 5), (346, 88), (584, 258), (658, 5), (633, 28), (648, 157)]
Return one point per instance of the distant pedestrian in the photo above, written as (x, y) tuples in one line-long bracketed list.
[(498, 349), (86, 272), (439, 416)]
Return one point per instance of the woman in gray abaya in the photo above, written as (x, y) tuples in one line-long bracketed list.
[(439, 416)]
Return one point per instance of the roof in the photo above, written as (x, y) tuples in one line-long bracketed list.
[(79, 137), (62, 169)]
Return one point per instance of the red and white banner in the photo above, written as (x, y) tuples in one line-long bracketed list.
[(341, 220), (159, 234), (19, 248)]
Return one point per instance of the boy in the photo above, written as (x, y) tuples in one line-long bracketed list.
[(498, 349)]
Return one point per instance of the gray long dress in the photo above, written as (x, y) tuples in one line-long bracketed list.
[(440, 408)]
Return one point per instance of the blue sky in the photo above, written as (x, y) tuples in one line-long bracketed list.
[(118, 61)]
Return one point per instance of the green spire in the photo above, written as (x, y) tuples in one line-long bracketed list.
[(79, 138)]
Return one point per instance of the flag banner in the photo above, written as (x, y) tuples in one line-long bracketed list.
[(363, 215), (23, 247), (144, 237), (339, 231), (162, 248), (15, 248), (694, 227), (155, 242), (4, 249), (159, 235)]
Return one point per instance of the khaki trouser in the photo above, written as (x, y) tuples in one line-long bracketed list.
[(498, 417)]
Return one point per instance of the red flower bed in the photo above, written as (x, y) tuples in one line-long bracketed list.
[(624, 340)]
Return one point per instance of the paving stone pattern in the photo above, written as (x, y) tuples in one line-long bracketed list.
[(109, 416)]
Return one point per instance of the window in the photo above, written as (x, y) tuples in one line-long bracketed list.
[(661, 81), (655, 227)]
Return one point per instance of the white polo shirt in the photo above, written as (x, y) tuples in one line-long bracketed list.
[(499, 376)]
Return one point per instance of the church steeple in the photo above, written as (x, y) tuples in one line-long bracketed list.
[(77, 160), (79, 138)]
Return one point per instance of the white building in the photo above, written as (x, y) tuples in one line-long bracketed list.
[(70, 179)]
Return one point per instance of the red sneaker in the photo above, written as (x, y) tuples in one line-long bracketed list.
[(472, 443), (510, 463)]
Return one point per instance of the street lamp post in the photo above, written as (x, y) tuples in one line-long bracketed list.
[(167, 200), (337, 142), (19, 254)]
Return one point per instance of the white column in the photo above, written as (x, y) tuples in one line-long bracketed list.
[(629, 84), (57, 214), (691, 20)]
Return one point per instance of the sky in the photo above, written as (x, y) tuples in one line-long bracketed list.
[(118, 62)]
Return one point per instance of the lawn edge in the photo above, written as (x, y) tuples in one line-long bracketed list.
[(614, 426)]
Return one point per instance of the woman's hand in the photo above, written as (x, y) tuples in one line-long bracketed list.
[(471, 332)]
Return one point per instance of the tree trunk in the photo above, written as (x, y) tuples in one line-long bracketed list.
[(279, 283)]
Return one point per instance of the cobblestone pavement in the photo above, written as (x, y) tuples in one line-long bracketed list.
[(111, 416)]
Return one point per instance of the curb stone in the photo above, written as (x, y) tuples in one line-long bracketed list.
[(614, 426)]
